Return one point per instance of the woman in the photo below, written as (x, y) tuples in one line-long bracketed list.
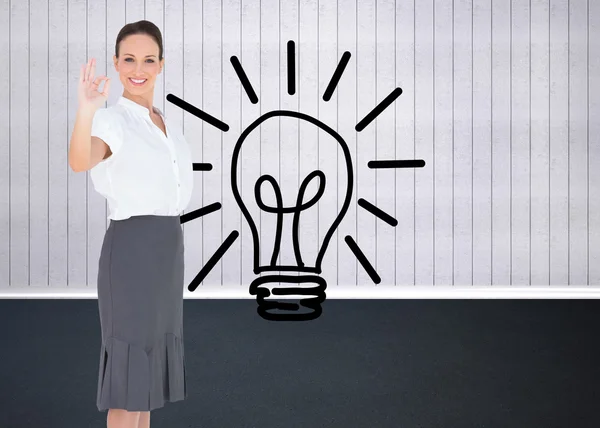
[(142, 165)]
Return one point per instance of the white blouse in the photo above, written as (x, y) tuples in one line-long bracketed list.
[(147, 173)]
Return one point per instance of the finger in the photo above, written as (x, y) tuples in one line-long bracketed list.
[(89, 76), (81, 71), (98, 80), (106, 87), (93, 69), (87, 71)]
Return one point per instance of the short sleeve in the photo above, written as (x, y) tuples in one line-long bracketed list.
[(107, 127)]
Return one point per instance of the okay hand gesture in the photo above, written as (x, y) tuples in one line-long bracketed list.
[(88, 94)]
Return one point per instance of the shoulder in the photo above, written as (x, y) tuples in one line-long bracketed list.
[(114, 114), (109, 125), (112, 119)]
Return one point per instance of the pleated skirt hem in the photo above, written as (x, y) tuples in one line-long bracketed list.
[(135, 379)]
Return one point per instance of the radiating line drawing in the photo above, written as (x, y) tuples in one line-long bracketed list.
[(337, 74), (244, 79), (201, 167), (200, 212), (378, 212), (269, 288)]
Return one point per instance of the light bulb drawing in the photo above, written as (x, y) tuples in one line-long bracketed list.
[(259, 286), (273, 291)]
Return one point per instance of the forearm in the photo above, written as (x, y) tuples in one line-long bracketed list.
[(80, 144)]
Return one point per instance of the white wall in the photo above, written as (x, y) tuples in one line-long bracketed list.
[(500, 100)]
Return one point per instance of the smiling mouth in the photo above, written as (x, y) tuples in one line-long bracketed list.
[(137, 82)]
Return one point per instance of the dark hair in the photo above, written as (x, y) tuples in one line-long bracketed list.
[(141, 27)]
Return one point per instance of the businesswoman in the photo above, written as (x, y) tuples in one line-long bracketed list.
[(142, 165)]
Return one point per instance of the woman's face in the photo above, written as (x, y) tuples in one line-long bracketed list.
[(138, 60)]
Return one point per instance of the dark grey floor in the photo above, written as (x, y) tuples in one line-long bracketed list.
[(373, 363)]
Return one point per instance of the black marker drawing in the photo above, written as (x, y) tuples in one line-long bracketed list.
[(197, 112), (378, 212), (259, 286), (291, 67), (200, 212), (268, 286), (377, 110), (362, 259), (336, 76), (244, 79), (213, 260), (417, 163), (201, 167)]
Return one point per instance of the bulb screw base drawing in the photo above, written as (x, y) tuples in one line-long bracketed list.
[(286, 306)]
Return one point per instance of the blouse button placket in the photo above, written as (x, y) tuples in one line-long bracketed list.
[(171, 147)]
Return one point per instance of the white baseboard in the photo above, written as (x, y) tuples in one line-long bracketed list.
[(343, 292)]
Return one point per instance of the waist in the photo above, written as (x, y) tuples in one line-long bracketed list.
[(149, 218)]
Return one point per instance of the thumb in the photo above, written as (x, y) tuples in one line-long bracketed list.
[(106, 87)]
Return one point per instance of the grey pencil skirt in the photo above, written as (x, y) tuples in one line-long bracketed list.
[(140, 302)]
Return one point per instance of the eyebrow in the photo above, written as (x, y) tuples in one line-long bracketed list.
[(134, 55)]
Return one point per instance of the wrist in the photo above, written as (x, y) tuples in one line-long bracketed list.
[(87, 110)]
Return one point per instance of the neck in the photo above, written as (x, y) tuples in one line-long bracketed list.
[(144, 100)]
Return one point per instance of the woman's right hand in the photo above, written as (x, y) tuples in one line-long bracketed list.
[(88, 94)]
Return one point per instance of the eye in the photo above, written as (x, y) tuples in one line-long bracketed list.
[(151, 60), (127, 59)]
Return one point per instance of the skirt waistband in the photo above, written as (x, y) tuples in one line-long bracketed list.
[(150, 221), (150, 217)]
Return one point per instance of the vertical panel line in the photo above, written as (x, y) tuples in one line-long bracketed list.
[(568, 142), (433, 139), (48, 139), (587, 201), (221, 262), (202, 102), (452, 142), (260, 114), (106, 221), (29, 142), (395, 145), (472, 138), (530, 49), (279, 97), (376, 127), (67, 121), (299, 95), (87, 280), (9, 141), (164, 44), (510, 128), (241, 52), (182, 113)]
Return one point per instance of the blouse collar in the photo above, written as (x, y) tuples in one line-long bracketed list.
[(135, 107)]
